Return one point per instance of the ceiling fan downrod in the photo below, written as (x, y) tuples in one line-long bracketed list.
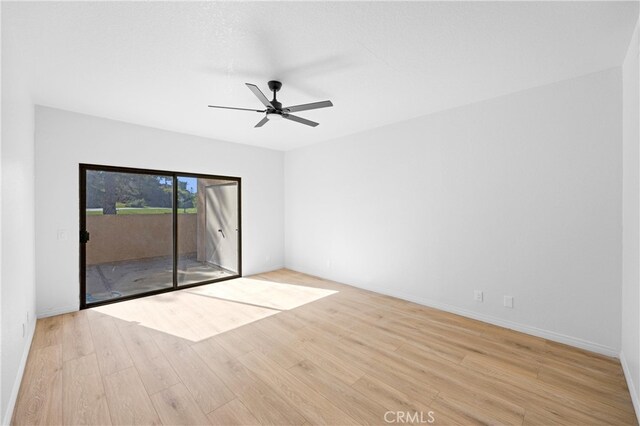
[(275, 86)]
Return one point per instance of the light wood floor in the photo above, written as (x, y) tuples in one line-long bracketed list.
[(287, 348)]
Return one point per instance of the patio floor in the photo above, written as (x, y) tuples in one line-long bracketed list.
[(118, 279)]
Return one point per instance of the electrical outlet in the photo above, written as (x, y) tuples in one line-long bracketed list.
[(477, 296), (508, 301), (62, 234)]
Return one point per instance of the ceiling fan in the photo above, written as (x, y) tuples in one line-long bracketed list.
[(274, 110)]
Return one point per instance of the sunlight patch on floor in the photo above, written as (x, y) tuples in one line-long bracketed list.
[(262, 293), (213, 308)]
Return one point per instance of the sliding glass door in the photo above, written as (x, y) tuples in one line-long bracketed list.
[(145, 232), (208, 245)]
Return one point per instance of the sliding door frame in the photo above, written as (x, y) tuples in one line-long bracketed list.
[(174, 176)]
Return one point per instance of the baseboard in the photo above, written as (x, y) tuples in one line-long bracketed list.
[(523, 328), (57, 311), (6, 420), (263, 270), (632, 388)]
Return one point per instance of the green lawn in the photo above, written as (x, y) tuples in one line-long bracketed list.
[(143, 210)]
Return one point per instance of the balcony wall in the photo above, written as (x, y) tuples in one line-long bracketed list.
[(126, 237)]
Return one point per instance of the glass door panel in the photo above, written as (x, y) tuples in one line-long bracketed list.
[(129, 220), (208, 224)]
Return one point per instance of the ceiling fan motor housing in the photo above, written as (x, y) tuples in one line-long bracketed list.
[(274, 85)]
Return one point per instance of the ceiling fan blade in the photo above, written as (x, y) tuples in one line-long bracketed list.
[(300, 120), (305, 107), (259, 95), (262, 122), (239, 109)]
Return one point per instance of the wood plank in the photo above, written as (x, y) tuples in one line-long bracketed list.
[(156, 374), (389, 397), (480, 406), (234, 343), (266, 339), (233, 373), (48, 332), (446, 352), (139, 342), (176, 406), (84, 401), (232, 413), (325, 359), (446, 414), (267, 406), (500, 367), (343, 396), (128, 401), (313, 406), (76, 336), (153, 368), (586, 387), (40, 398), (110, 349), (205, 386), (560, 414)]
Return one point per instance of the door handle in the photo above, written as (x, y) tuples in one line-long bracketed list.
[(84, 237), (220, 231)]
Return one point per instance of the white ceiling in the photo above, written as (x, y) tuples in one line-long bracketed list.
[(160, 64)]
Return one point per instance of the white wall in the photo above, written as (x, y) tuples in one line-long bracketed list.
[(630, 350), (18, 252), (519, 195), (65, 139)]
